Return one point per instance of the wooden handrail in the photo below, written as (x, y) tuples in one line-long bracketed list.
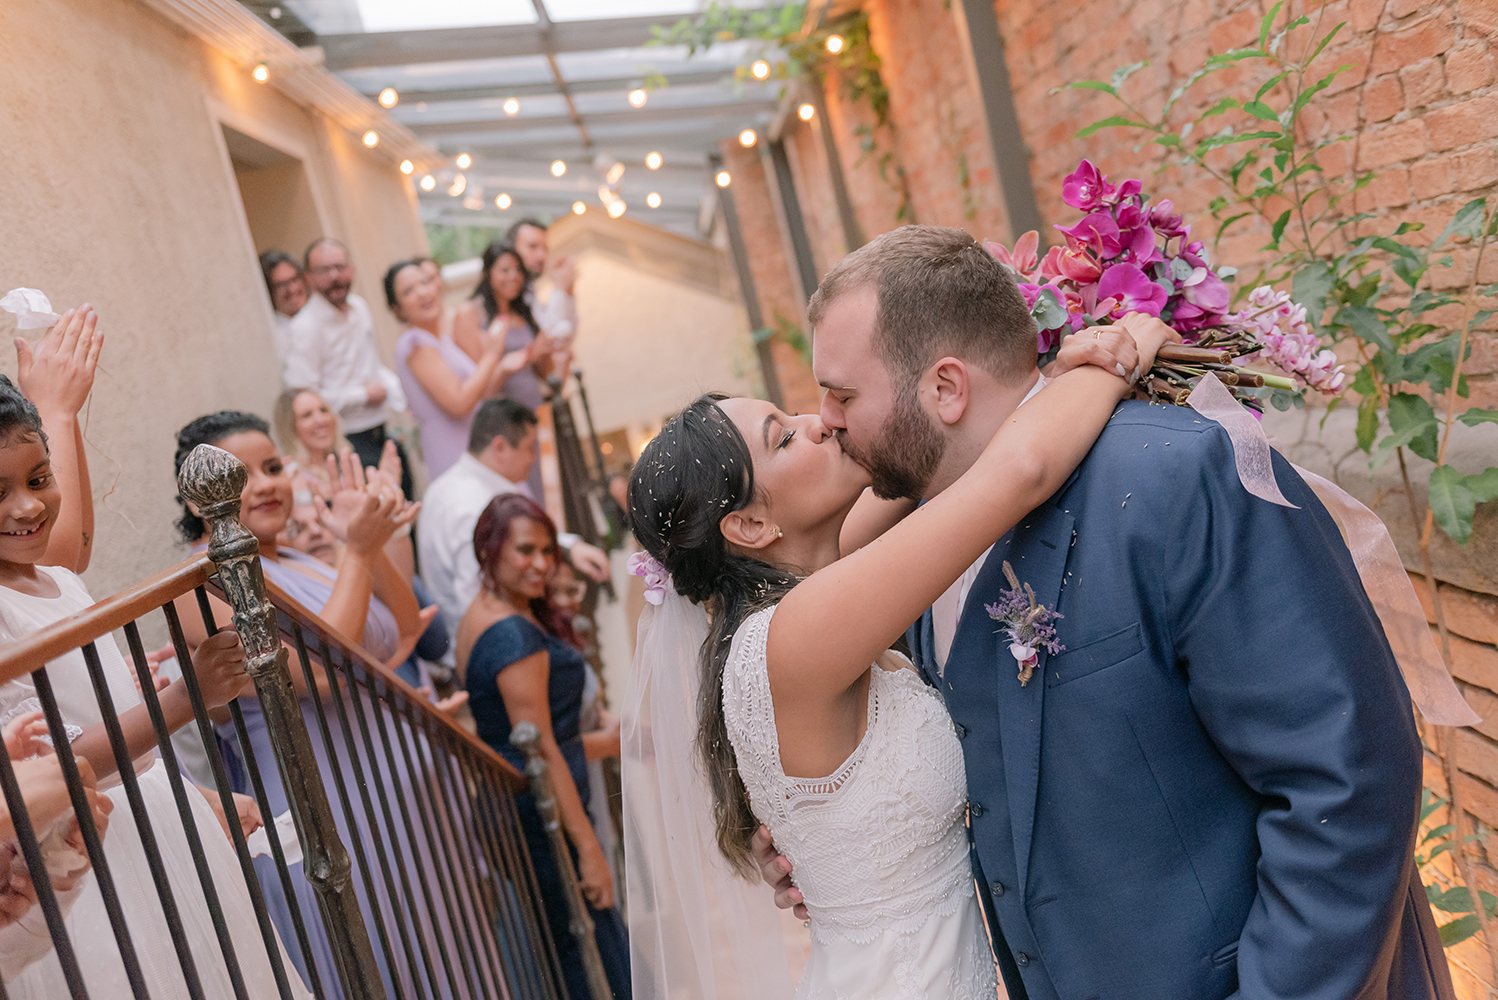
[(76, 630), (66, 634)]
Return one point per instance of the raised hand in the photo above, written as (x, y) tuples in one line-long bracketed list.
[(590, 560), (58, 373), (24, 736), (390, 463)]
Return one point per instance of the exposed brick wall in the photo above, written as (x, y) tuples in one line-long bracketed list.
[(1419, 100), (772, 273)]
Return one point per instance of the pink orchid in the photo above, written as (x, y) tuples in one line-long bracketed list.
[(1022, 259), (1205, 290), (1165, 221), (1086, 187), (1097, 231), (643, 564), (1133, 289), (1078, 265), (1050, 267)]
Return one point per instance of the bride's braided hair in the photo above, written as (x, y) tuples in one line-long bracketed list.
[(687, 480)]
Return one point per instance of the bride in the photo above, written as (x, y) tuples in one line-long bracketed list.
[(767, 670)]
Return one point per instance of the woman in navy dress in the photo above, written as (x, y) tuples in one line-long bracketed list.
[(519, 666)]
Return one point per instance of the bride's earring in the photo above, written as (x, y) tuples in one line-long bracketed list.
[(779, 534)]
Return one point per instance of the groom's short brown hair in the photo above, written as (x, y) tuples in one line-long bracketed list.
[(940, 293)]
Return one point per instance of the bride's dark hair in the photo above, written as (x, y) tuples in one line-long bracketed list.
[(687, 480)]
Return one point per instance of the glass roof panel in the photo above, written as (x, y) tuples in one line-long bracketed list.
[(403, 15), (581, 10)]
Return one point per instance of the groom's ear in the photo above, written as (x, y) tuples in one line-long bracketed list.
[(746, 529), (946, 389)]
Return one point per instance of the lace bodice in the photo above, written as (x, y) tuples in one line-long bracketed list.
[(879, 845)]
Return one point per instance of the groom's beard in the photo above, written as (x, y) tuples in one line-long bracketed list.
[(903, 458)]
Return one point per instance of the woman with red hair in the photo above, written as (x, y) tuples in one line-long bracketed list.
[(518, 657)]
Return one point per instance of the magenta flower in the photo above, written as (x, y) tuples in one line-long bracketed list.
[(1127, 190), (643, 564), (1165, 221), (1134, 291), (1097, 232), (1030, 291), (1205, 290), (1086, 187)]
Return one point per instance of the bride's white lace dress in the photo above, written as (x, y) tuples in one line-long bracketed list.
[(878, 848)]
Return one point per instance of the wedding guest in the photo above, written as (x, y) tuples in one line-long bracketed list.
[(443, 385), (365, 599), (288, 294), (553, 305), (501, 452), (307, 430), (518, 665), (39, 586), (333, 352)]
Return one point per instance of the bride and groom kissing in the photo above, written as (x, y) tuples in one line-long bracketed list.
[(1200, 779)]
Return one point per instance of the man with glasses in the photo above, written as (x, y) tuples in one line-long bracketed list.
[(333, 352)]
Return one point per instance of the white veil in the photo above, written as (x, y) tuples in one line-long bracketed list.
[(696, 931)]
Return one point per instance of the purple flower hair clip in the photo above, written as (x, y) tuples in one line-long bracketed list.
[(644, 565)]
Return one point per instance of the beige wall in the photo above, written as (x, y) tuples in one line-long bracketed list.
[(117, 190)]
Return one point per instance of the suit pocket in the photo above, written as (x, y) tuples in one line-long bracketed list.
[(1090, 657), (1225, 955)]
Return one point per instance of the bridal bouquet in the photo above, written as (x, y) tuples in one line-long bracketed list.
[(1126, 255)]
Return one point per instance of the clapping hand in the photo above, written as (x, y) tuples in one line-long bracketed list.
[(58, 373), (366, 506), (24, 736)]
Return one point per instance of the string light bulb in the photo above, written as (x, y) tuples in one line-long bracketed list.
[(558, 168), (747, 138), (637, 98), (371, 138), (760, 69), (464, 161), (653, 199), (458, 186), (616, 209), (578, 208), (389, 98), (428, 182), (723, 179), (653, 161), (806, 112), (834, 44), (261, 73), (502, 202), (511, 106), (407, 166)]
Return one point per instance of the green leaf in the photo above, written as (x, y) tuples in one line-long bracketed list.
[(1324, 42), (1106, 88), (1362, 382), (1409, 227), (1310, 287), (1444, 830), (1049, 314), (1330, 409), (1268, 85), (1222, 105), (1124, 72), (1112, 121), (1314, 89), (1365, 324), (1236, 55), (1466, 222), (1458, 899), (1452, 503), (1429, 804), (1459, 930), (1261, 110), (1484, 485), (1168, 139), (1476, 416), (1278, 229), (1267, 22), (1413, 424), (1368, 422)]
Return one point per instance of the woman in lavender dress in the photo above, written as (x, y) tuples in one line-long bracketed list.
[(366, 600), (443, 384)]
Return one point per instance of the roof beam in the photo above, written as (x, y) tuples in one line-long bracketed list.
[(643, 116), (549, 87), (436, 45)]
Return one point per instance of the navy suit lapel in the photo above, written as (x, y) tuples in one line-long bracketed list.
[(1037, 549), (922, 642)]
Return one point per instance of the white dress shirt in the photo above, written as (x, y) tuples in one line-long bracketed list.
[(551, 309), (283, 338), (333, 352), (946, 612), (450, 509)]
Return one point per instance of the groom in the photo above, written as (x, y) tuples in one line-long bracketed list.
[(1212, 791)]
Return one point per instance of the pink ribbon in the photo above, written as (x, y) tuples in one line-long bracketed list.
[(1373, 552)]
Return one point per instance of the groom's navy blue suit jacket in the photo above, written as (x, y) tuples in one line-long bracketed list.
[(1213, 790)]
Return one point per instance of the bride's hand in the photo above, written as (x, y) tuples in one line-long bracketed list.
[(1107, 347), (776, 871), (1150, 334)]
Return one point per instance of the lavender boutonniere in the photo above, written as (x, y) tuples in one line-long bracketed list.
[(1028, 624)]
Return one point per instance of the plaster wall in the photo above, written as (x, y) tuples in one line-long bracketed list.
[(118, 191)]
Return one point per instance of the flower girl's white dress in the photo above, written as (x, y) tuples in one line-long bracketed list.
[(878, 848)]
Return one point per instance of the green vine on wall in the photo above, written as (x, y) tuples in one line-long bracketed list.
[(793, 54)]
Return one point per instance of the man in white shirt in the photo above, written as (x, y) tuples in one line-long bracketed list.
[(332, 351), (556, 310), (288, 294), (501, 450)]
